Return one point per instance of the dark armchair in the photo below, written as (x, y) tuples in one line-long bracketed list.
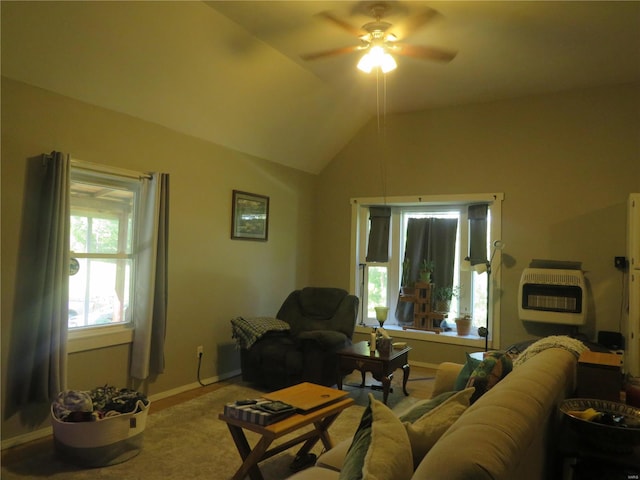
[(322, 321)]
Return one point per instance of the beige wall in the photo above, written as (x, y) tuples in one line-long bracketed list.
[(566, 164), (211, 278)]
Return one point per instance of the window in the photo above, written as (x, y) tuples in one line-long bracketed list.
[(102, 239), (378, 283)]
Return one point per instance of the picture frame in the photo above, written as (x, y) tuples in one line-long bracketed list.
[(249, 216)]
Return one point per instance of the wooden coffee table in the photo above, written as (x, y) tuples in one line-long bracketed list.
[(321, 418), (358, 357)]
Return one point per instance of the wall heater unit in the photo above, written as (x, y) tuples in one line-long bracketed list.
[(551, 295)]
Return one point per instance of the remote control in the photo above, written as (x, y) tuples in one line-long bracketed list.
[(246, 402)]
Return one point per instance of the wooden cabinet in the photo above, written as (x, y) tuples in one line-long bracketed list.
[(599, 376)]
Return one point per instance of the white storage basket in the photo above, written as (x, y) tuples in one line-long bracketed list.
[(110, 440)]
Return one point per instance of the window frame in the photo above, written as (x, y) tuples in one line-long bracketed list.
[(99, 336), (359, 218)]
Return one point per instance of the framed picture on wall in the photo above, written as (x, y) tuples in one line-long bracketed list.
[(249, 216)]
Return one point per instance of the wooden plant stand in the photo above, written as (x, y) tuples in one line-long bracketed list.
[(424, 318)]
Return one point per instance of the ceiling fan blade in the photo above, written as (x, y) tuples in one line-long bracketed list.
[(419, 20), (425, 53), (329, 53), (356, 32)]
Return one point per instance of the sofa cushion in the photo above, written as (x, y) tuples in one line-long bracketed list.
[(333, 458), (383, 440), (424, 406), (315, 473), (425, 431), (464, 375), (493, 368), (446, 376)]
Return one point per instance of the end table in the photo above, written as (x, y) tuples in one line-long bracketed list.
[(359, 357)]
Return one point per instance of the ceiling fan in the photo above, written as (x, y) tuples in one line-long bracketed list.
[(377, 40)]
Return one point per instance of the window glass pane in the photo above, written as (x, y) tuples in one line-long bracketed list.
[(377, 289), (479, 315), (99, 292), (101, 240), (101, 218)]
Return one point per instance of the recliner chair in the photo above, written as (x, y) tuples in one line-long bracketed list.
[(322, 321)]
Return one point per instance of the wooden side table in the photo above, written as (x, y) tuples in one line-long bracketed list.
[(358, 357), (321, 418)]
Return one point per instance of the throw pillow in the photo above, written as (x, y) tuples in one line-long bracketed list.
[(424, 406), (380, 449), (354, 460), (427, 430), (494, 367), (463, 377)]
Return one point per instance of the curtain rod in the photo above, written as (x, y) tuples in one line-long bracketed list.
[(108, 169)]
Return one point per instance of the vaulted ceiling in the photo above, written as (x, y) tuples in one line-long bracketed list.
[(231, 72)]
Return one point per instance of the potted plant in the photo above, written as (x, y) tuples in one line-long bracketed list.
[(463, 325), (442, 297), (426, 267)]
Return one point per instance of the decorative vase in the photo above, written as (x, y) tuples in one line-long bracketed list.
[(463, 325), (384, 345)]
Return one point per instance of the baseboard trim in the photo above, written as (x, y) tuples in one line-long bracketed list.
[(48, 431)]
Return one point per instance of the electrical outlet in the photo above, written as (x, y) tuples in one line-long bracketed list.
[(199, 351)]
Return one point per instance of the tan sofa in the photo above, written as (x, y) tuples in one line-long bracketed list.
[(507, 434)]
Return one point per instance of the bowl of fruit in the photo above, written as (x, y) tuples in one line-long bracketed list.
[(607, 425)]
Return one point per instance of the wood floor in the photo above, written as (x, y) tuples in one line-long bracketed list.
[(419, 385)]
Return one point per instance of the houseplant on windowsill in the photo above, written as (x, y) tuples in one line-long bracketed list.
[(442, 298), (426, 268), (463, 325)]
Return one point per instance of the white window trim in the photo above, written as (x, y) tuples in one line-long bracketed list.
[(495, 199), (83, 339), (101, 336)]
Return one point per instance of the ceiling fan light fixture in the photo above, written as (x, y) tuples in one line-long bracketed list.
[(377, 57)]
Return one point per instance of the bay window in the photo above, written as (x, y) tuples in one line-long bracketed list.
[(441, 231)]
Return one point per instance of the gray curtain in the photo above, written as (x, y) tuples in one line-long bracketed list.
[(151, 285), (378, 247), (478, 233), (37, 367), (433, 239)]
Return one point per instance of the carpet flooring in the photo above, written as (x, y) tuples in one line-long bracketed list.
[(188, 441)]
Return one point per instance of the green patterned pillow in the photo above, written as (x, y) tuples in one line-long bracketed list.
[(464, 375), (493, 368)]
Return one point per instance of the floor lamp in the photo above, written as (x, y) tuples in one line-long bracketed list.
[(484, 331)]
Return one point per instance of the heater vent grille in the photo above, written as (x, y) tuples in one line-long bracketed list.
[(552, 296), (553, 278)]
